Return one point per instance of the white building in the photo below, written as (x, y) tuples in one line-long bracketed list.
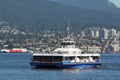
[(91, 49), (83, 34), (113, 32), (96, 33), (105, 33), (92, 33)]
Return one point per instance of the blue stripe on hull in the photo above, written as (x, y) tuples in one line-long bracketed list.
[(62, 65), (80, 66)]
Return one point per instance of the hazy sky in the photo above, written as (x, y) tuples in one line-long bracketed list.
[(117, 2)]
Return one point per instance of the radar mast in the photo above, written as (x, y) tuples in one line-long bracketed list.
[(68, 30)]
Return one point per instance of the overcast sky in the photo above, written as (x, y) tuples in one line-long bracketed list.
[(117, 2)]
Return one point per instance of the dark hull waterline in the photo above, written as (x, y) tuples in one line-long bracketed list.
[(65, 66)]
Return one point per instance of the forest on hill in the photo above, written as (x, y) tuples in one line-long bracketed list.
[(38, 15)]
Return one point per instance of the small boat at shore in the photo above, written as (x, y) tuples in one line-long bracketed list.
[(15, 50)]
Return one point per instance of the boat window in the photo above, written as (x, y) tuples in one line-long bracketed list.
[(56, 58), (95, 57), (66, 58), (47, 58), (42, 58), (72, 58), (83, 57), (61, 52), (67, 43)]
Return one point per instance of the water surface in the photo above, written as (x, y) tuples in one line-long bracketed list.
[(16, 67)]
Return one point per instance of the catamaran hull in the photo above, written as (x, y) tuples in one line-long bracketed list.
[(65, 65)]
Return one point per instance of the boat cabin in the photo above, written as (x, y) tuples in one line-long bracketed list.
[(68, 44), (64, 58)]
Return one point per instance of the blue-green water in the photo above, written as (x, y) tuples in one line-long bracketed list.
[(16, 67)]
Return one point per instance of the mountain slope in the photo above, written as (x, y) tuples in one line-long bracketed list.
[(102, 5), (36, 15)]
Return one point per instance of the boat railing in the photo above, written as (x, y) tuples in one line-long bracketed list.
[(61, 52)]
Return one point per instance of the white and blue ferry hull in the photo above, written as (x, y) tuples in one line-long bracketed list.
[(65, 65)]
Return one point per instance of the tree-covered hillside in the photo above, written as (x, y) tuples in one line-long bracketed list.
[(37, 15), (99, 5)]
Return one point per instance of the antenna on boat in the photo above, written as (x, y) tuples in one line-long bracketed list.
[(68, 30)]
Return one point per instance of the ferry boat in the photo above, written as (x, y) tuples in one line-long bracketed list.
[(68, 56)]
